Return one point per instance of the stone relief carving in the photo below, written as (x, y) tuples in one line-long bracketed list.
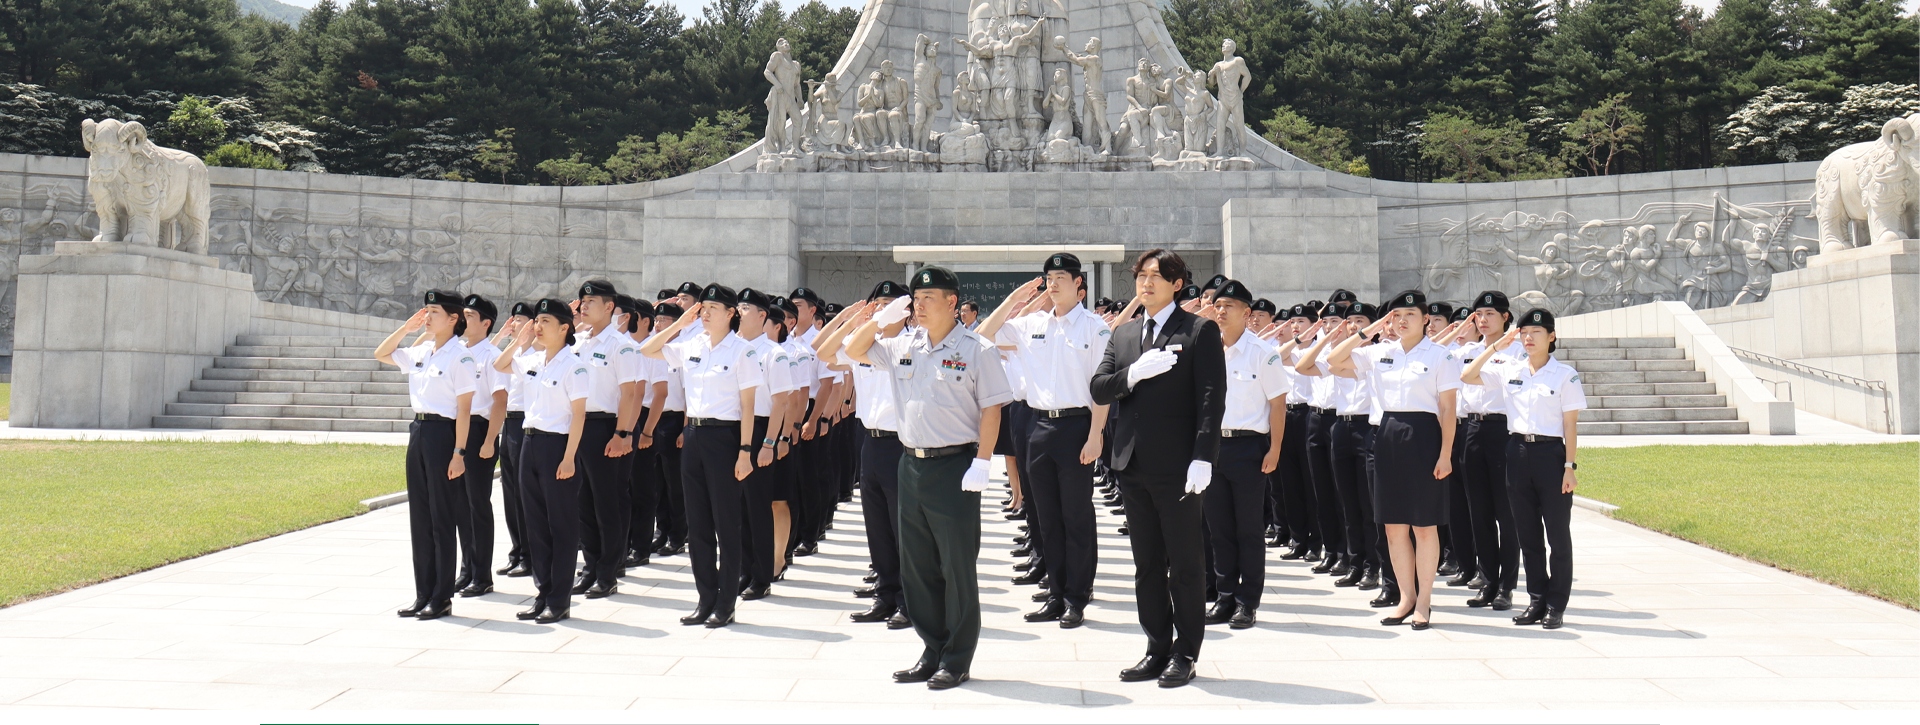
[(1875, 183), (1712, 255), (140, 190)]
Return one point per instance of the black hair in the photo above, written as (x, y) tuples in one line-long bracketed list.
[(1172, 268)]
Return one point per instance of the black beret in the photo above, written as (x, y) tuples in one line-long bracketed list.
[(1316, 306), (1341, 295), (1335, 309), (1493, 298), (1062, 262), (559, 310), (1537, 318), (1363, 309), (481, 305), (1311, 312), (803, 293), (832, 308), (662, 295), (669, 309), (751, 296), (623, 303), (1409, 298), (786, 305), (1461, 314), (1214, 284), (643, 308), (775, 315), (1439, 309), (1233, 290), (1265, 305), (720, 293), (597, 288), (690, 289), (1189, 292), (928, 278), (1283, 315), (522, 309), (443, 298), (887, 288)]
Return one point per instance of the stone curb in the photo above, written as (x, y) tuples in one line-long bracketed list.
[(1578, 500), (379, 502)]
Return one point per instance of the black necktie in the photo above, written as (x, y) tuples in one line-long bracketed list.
[(1147, 343)]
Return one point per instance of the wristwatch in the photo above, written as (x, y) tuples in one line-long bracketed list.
[(459, 451), (623, 433), (768, 442), (746, 448), (1571, 466)]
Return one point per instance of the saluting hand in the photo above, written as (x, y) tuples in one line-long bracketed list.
[(417, 321)]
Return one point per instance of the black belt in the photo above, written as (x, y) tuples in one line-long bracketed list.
[(1531, 438), (1353, 417), (967, 448), (1486, 416), (1326, 411), (882, 433), (711, 422), (432, 417), (1063, 412), (516, 414), (538, 432), (1240, 433), (1299, 406), (603, 416)]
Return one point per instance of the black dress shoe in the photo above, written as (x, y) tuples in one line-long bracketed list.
[(1017, 516), (1294, 554), (538, 609), (866, 592), (1479, 582), (1026, 564), (1242, 619), (719, 620), (511, 563), (899, 620), (581, 584), (753, 593), (1553, 620), (1178, 673), (880, 612), (518, 570), (635, 558), (1048, 613), (552, 616), (1020, 551), (1021, 540), (1371, 581), (1123, 531), (1389, 597), (1484, 598), (476, 590), (699, 616), (413, 610), (1042, 595), (439, 609), (1221, 611), (919, 672), (1342, 567), (663, 550), (946, 679), (1326, 564), (871, 577), (1462, 579), (1448, 568), (806, 548), (1503, 602), (1536, 611), (598, 591), (1031, 577), (1073, 617), (1149, 667), (464, 580), (1353, 577), (1313, 555)]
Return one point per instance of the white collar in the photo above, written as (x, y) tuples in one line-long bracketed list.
[(1160, 320)]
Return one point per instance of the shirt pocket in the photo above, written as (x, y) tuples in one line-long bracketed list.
[(1244, 375), (435, 371), (954, 377)]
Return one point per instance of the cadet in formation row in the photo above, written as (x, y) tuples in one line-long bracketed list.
[(610, 414)]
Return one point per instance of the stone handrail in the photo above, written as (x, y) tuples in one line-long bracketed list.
[(1764, 414)]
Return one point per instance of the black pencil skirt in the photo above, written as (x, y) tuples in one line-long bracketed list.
[(1407, 446)]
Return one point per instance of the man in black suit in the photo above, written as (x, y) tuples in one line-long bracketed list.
[(1165, 375)]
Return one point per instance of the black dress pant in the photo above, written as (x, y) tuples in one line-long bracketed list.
[(1483, 478), (430, 508), (473, 507), (1542, 516), (758, 492), (552, 509), (1295, 481), (1459, 527), (1326, 495), (880, 508), (1235, 503), (1062, 490), (511, 439), (1353, 486), (1169, 562), (1387, 578), (1020, 425), (643, 493), (716, 539), (672, 513), (604, 508)]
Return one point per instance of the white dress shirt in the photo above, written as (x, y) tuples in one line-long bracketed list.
[(437, 378), (1486, 399), (1409, 380), (1058, 355), (715, 374), (1537, 400), (873, 403), (772, 358), (612, 360), (551, 386), (1254, 379), (486, 379)]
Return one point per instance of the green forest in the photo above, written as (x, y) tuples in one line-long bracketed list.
[(612, 91)]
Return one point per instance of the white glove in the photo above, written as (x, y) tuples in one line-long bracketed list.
[(1199, 474), (1149, 364), (976, 479), (895, 311)]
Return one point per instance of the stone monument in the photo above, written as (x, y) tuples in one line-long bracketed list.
[(1873, 182), (140, 190)]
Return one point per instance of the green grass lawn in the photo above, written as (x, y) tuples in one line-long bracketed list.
[(1847, 515), (6, 396), (82, 512)]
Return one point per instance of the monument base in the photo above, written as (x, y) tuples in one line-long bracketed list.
[(108, 333)]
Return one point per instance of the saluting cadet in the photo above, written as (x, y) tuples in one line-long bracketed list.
[(721, 375), (440, 386), (511, 438), (1325, 396), (950, 388), (1345, 450), (1059, 351), (879, 456), (1459, 558), (1483, 462), (1294, 478), (666, 435), (788, 512), (554, 388), (1544, 400), (644, 469), (1016, 438), (1251, 430), (770, 408), (815, 504), (1417, 381), (473, 502), (613, 409)]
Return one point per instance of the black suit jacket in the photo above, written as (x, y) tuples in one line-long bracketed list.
[(1172, 418)]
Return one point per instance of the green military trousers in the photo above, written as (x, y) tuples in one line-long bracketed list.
[(939, 545)]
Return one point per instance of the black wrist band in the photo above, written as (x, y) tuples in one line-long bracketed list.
[(746, 448)]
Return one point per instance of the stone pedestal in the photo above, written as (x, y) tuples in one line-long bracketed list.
[(108, 333), (1292, 250), (739, 243)]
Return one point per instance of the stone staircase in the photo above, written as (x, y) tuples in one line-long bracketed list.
[(308, 383), (1645, 386)]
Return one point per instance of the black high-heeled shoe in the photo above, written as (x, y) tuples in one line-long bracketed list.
[(1424, 623), (1395, 621)]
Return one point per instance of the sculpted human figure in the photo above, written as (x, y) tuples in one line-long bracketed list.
[(1136, 125), (868, 122), (966, 97), (825, 127), (1709, 263), (1093, 108), (1763, 256), (1003, 52), (926, 89), (1197, 108), (783, 99), (1230, 75), (1553, 276), (896, 93), (1060, 104), (1023, 22)]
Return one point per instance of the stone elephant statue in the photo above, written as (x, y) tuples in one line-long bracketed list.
[(138, 187), (1877, 182)]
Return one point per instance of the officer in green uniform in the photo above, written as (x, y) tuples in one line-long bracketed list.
[(950, 387)]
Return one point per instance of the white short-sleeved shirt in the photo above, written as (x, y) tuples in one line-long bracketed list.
[(1490, 398), (873, 403), (517, 385), (1299, 387), (715, 374), (612, 360), (1059, 354), (772, 359), (551, 386), (1325, 387), (437, 378), (486, 379), (1537, 400), (1409, 380), (803, 365), (942, 388), (1254, 378)]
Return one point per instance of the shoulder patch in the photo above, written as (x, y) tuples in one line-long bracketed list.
[(1274, 358), (468, 358), (1449, 356), (751, 353), (626, 350), (579, 371), (1574, 379), (1105, 332)]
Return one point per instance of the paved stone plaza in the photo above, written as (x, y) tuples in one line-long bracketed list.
[(305, 621)]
